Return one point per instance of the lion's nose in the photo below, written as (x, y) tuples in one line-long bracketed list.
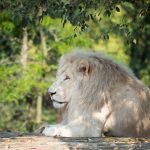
[(51, 93)]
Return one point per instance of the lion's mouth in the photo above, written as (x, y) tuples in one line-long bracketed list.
[(59, 102)]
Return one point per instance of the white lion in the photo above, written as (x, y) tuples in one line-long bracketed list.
[(100, 97)]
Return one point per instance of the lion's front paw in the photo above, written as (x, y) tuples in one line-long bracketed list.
[(51, 130)]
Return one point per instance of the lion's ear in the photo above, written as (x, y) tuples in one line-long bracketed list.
[(84, 67)]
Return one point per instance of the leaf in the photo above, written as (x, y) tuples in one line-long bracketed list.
[(117, 9), (100, 19), (75, 28), (143, 12), (75, 35), (64, 23), (106, 37), (80, 8), (82, 27), (107, 13), (91, 16)]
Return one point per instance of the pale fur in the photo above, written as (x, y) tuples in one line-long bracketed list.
[(102, 97)]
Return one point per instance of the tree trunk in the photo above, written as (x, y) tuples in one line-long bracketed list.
[(39, 109), (24, 50), (44, 48), (39, 98)]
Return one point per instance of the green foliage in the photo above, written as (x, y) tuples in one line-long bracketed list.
[(22, 85), (8, 78), (78, 13), (16, 117), (19, 83)]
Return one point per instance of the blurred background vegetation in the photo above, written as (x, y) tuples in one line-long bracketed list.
[(34, 34)]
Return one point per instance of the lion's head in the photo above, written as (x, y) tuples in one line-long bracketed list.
[(84, 76)]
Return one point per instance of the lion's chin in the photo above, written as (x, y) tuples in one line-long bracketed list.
[(58, 105)]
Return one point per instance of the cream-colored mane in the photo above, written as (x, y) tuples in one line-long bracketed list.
[(101, 97)]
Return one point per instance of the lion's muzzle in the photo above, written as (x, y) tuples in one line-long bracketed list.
[(51, 93), (59, 102)]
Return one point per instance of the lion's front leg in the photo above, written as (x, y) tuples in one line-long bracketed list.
[(62, 131), (51, 130), (58, 130), (71, 131)]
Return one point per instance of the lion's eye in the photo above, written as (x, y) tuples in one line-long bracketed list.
[(67, 77)]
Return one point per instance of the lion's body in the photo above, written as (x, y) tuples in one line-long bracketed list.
[(100, 97)]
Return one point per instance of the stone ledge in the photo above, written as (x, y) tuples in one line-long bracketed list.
[(37, 142)]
